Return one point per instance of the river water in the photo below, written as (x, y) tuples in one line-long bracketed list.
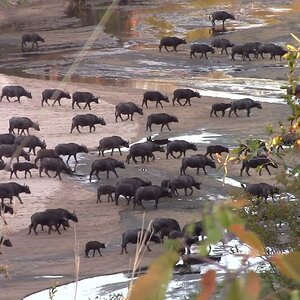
[(123, 61)]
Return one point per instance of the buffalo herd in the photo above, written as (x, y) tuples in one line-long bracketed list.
[(134, 188)]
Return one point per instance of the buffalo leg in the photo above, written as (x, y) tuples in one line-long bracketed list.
[(78, 105), (46, 171), (203, 170), (247, 171), (19, 199), (77, 127), (191, 191), (99, 252), (115, 173)]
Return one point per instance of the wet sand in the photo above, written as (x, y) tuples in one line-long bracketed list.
[(32, 257)]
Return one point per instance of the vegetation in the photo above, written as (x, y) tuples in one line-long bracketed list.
[(270, 230)]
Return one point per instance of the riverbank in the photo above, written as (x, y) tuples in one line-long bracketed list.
[(33, 257)]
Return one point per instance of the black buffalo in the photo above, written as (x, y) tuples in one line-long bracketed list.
[(198, 161), (201, 48), (42, 153), (161, 118), (245, 50), (56, 165), (222, 43), (23, 166), (171, 41), (54, 94), (105, 164), (127, 108), (86, 120), (261, 190), (31, 37), (154, 96), (14, 91), (13, 151), (112, 142), (93, 245), (71, 149), (31, 142), (22, 124), (152, 192), (180, 146), (219, 107), (84, 97), (221, 16), (127, 187), (215, 149), (63, 213), (11, 189), (261, 161), (278, 50), (143, 150), (163, 226), (7, 138), (47, 218), (106, 189), (182, 182), (139, 235), (243, 104), (186, 94)]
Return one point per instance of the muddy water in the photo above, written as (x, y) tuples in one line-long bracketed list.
[(131, 57)]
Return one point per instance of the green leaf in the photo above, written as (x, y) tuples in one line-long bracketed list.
[(295, 295), (235, 290)]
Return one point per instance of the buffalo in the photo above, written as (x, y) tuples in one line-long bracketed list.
[(23, 166), (154, 96), (71, 149), (242, 104), (54, 164), (31, 37), (163, 226), (161, 118), (151, 192), (43, 153), (112, 142), (14, 91), (63, 213), (171, 41), (201, 48), (139, 235), (182, 182), (261, 190), (48, 218), (13, 151), (22, 124), (186, 94), (261, 161), (127, 187), (143, 150), (54, 94), (84, 97), (222, 43), (278, 50), (127, 108), (105, 164), (221, 16), (180, 146), (7, 138), (215, 149), (219, 107), (31, 142), (86, 120), (11, 189), (106, 189), (196, 161), (245, 50), (93, 245)]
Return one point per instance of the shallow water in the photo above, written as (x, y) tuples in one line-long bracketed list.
[(140, 25)]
